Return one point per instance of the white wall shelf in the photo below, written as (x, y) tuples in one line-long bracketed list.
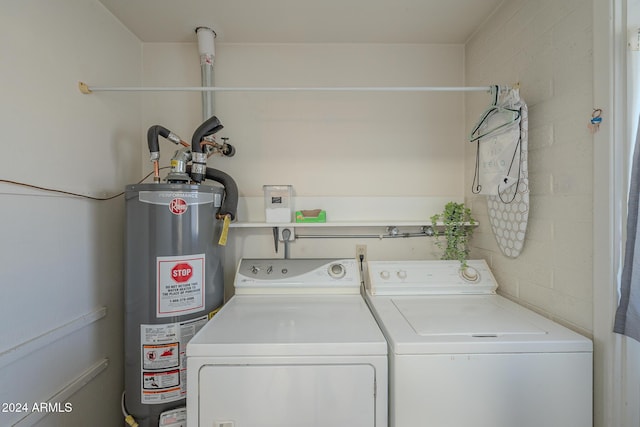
[(350, 217)]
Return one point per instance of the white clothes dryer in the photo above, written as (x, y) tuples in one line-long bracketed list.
[(460, 355), (295, 346)]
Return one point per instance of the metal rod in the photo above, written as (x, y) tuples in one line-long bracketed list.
[(88, 89), (361, 236)]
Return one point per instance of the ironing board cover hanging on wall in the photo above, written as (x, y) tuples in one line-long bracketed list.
[(509, 208)]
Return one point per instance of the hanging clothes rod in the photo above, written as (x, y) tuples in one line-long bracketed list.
[(86, 89)]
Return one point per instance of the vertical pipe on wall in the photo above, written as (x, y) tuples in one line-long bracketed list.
[(206, 48)]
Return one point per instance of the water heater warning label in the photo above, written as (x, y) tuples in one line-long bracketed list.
[(180, 285), (161, 380), (161, 356), (163, 373)]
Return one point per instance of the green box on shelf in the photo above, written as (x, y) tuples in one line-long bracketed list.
[(311, 216)]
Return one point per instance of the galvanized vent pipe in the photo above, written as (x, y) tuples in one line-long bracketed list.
[(206, 48)]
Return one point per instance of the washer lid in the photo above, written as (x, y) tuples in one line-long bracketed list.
[(465, 317), (290, 325), (454, 324)]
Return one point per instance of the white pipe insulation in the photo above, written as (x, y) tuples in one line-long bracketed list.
[(207, 50)]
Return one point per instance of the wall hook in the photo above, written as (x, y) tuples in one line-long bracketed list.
[(596, 119)]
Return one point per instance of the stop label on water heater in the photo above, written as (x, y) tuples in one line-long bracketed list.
[(181, 272), (180, 285)]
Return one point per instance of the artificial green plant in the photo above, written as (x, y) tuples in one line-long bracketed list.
[(458, 228)]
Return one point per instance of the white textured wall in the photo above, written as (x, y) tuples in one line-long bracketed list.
[(61, 257), (346, 144), (324, 144), (547, 47)]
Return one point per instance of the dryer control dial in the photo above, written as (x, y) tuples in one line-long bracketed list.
[(402, 274), (384, 274)]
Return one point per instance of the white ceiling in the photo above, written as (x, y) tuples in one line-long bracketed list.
[(305, 21)]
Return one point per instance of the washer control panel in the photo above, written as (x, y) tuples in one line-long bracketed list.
[(429, 277), (297, 276)]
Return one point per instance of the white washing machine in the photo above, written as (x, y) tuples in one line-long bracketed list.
[(461, 356), (296, 346)]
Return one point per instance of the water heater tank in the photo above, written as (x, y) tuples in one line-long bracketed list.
[(173, 285)]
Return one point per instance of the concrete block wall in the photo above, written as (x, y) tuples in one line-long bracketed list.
[(547, 47)]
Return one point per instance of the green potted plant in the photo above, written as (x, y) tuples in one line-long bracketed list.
[(458, 228)]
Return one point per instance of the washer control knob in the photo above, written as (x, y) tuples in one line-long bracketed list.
[(337, 271), (255, 269), (401, 274), (385, 274), (470, 274)]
